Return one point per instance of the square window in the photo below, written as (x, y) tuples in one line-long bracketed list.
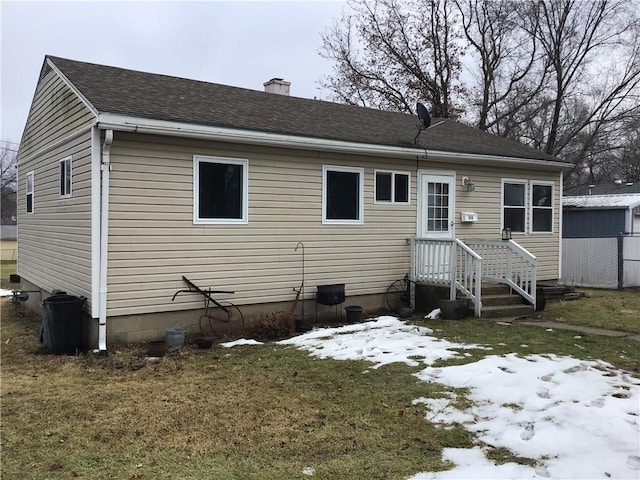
[(220, 190), (342, 195)]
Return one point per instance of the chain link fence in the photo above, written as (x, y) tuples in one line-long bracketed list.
[(601, 262)]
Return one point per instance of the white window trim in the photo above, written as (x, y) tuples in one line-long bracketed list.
[(197, 159), (333, 168), (393, 188), (531, 206), (32, 192), (69, 161), (524, 207)]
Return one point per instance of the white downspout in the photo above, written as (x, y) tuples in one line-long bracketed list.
[(104, 240)]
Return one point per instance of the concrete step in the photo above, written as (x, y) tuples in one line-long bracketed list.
[(508, 299), (502, 311)]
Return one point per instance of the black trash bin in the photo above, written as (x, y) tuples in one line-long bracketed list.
[(62, 329)]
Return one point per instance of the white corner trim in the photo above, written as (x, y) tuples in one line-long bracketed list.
[(82, 98)]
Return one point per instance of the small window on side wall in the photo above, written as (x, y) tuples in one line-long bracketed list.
[(342, 195), (220, 190), (391, 187), (65, 177), (29, 192)]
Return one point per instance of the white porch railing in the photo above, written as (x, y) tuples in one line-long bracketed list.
[(463, 267), (504, 261), (448, 263)]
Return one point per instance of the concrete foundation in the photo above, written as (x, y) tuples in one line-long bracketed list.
[(152, 326), (428, 297)]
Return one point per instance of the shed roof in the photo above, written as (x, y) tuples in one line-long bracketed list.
[(624, 201), (160, 97), (611, 188)]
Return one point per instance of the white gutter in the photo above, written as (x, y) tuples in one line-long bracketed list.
[(179, 129), (104, 240)]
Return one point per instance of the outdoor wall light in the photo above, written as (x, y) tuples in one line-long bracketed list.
[(506, 233), (468, 184)]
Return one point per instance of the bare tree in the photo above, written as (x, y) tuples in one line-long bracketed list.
[(562, 76), (389, 53), (510, 72), (592, 48), (8, 185)]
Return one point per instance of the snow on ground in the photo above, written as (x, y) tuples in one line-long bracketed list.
[(578, 419), (383, 341), (241, 341), (5, 293)]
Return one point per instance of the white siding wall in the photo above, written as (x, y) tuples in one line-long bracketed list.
[(153, 241)]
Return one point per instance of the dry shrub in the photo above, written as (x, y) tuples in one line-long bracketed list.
[(272, 326)]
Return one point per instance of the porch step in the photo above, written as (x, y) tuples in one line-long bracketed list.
[(498, 302), (502, 311)]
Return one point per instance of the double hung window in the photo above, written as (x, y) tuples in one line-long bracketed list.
[(527, 206), (29, 192)]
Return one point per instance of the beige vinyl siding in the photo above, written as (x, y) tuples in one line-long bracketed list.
[(153, 241), (55, 241), (486, 202), (56, 113)]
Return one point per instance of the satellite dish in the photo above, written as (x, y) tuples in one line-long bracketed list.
[(425, 120), (423, 116)]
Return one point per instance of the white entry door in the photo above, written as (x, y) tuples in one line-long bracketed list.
[(436, 206), (435, 223)]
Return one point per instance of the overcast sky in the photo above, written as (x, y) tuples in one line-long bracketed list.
[(240, 43)]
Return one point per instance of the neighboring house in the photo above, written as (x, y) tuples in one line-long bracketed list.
[(8, 242), (129, 180), (601, 238)]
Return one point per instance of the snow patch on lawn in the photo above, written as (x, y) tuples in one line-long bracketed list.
[(576, 419)]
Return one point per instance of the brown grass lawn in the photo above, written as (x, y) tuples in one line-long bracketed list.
[(253, 412), (612, 309)]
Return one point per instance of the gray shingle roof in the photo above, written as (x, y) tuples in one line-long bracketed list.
[(160, 97)]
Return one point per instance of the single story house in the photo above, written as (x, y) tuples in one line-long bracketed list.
[(8, 242), (130, 180)]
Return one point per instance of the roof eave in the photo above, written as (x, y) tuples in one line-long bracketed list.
[(254, 137)]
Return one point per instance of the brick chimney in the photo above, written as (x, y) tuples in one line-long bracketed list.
[(277, 85)]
